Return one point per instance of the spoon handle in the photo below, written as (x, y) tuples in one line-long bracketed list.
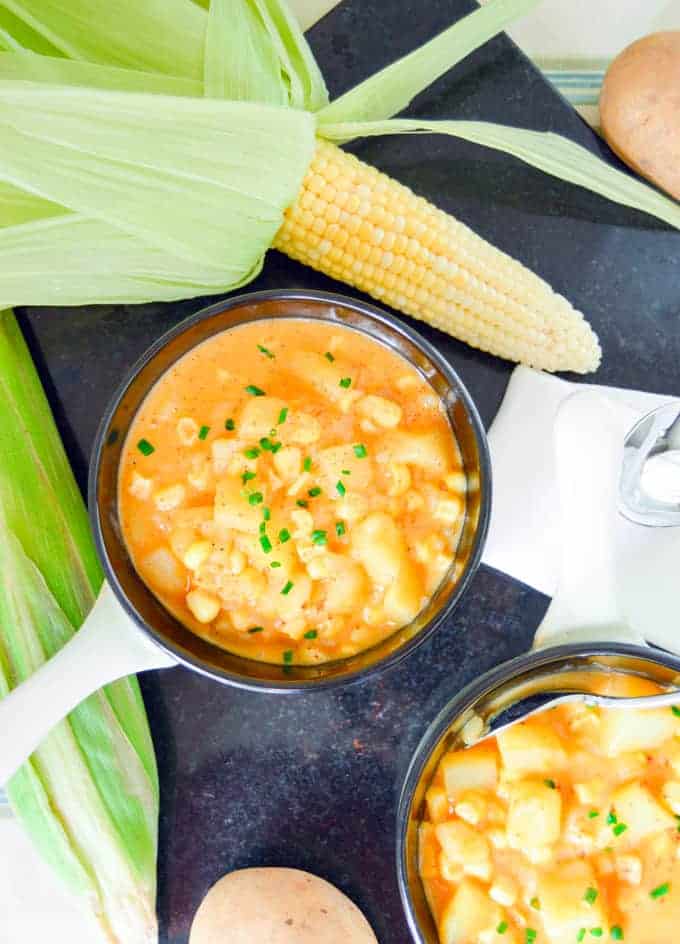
[(588, 444)]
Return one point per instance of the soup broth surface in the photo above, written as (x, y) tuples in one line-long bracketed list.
[(292, 491)]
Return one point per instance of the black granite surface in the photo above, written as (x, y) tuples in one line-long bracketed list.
[(312, 781)]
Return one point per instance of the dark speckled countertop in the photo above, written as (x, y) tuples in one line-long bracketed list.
[(313, 781)]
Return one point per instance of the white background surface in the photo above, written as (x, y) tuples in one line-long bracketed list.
[(33, 905)]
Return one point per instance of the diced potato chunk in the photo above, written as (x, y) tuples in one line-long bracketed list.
[(404, 599), (428, 851), (380, 410), (302, 428), (534, 814), (164, 572), (468, 915), (530, 749), (259, 416), (475, 768), (334, 459), (464, 846), (566, 906), (346, 586), (232, 510), (288, 463), (437, 804), (429, 450), (503, 891), (671, 796), (170, 497), (196, 554), (140, 486), (635, 806), (222, 451), (629, 869), (398, 478), (325, 376), (471, 807), (622, 730), (378, 543)]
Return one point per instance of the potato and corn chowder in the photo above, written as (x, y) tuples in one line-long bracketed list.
[(292, 491), (563, 829)]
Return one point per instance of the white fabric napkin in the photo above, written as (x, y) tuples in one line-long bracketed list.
[(525, 521)]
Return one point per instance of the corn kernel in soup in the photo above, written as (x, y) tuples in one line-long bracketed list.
[(292, 491), (562, 829)]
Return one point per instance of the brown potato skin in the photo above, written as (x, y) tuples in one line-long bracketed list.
[(640, 108), (278, 906)]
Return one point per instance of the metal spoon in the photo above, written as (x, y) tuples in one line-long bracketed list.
[(590, 447)]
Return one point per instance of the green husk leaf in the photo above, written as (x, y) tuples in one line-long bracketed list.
[(240, 60), (544, 150), (29, 67), (213, 194), (15, 35), (256, 51), (392, 89), (88, 797), (151, 35)]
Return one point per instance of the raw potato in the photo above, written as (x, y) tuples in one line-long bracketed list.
[(278, 906), (640, 108)]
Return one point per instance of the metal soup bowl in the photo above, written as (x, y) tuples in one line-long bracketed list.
[(144, 608), (502, 694)]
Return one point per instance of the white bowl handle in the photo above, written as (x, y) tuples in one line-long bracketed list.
[(107, 647), (588, 444)]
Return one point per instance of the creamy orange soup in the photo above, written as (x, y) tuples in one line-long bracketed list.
[(563, 829), (292, 491)]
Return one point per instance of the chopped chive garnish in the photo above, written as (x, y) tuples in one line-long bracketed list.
[(284, 535), (313, 492), (265, 350), (203, 432), (301, 503), (145, 447), (345, 471), (329, 356), (263, 527), (254, 391), (340, 488), (275, 447), (230, 425), (289, 586), (501, 927), (255, 629), (251, 453), (311, 634), (535, 904), (268, 445), (307, 464), (590, 896), (319, 537), (346, 382), (581, 934), (288, 656), (612, 818), (593, 814), (265, 543), (550, 783), (275, 564), (248, 476), (340, 530), (660, 890), (283, 414), (596, 932), (529, 936), (619, 828), (616, 933), (266, 514), (256, 498), (360, 451), (675, 710)]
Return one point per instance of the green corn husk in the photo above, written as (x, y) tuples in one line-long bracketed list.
[(88, 797)]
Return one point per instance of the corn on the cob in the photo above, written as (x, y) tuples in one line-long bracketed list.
[(358, 225)]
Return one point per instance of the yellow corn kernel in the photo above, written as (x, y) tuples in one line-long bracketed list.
[(199, 475), (399, 479), (446, 274), (140, 486), (288, 462), (204, 606), (196, 554), (170, 497), (187, 431)]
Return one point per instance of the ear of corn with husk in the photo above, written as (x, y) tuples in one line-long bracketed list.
[(156, 150), (88, 797)]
